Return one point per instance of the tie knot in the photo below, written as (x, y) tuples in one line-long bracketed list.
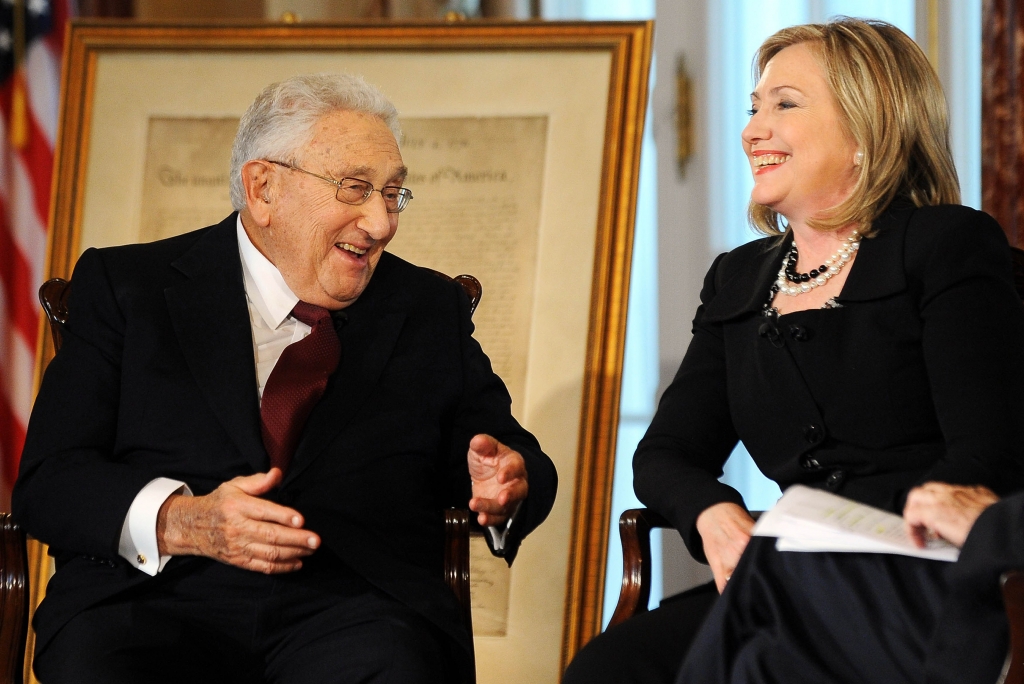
[(310, 314)]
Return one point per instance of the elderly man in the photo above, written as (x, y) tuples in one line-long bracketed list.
[(241, 454)]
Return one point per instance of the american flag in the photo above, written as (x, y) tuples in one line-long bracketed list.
[(31, 42)]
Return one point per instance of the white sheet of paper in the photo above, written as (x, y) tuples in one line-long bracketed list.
[(806, 519)]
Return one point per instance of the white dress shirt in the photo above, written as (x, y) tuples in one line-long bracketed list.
[(270, 303)]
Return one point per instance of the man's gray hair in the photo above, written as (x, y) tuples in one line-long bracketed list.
[(281, 119)]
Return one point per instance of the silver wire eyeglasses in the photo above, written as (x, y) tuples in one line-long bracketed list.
[(356, 191)]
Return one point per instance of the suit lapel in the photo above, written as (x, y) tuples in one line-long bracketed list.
[(211, 320), (747, 288), (877, 272), (367, 342), (878, 269)]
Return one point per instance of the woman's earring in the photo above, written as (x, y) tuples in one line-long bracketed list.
[(266, 198), (858, 158)]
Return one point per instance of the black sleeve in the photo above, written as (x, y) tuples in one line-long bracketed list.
[(678, 462), (973, 338), (486, 408), (71, 492), (970, 639)]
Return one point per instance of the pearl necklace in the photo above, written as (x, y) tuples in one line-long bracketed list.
[(792, 283)]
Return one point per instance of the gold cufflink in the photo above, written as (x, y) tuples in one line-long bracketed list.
[(141, 559)]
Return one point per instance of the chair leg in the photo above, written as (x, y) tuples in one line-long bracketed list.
[(13, 600)]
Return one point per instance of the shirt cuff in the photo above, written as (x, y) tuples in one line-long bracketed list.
[(138, 543), (500, 534)]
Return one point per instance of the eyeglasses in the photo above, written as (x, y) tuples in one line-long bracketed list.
[(356, 191)]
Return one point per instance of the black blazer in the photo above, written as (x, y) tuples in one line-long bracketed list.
[(157, 377), (919, 376), (970, 640)]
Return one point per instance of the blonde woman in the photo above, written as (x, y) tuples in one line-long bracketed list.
[(869, 344)]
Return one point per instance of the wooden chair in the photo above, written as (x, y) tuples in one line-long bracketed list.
[(456, 520), (53, 295), (635, 527)]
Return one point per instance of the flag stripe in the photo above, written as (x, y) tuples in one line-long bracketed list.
[(30, 200), (30, 215), (16, 276), (29, 171), (20, 382), (12, 441), (42, 79)]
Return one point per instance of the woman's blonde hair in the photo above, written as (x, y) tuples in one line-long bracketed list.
[(892, 106)]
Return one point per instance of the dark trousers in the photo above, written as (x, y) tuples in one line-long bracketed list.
[(812, 618), (216, 623), (648, 648)]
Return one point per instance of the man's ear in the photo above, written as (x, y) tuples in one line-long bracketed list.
[(258, 197)]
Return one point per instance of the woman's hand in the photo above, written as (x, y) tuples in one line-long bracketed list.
[(725, 530), (936, 509)]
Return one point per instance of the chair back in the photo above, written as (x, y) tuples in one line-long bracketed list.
[(53, 295), (474, 290)]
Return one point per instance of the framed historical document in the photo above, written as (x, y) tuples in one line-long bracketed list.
[(523, 144)]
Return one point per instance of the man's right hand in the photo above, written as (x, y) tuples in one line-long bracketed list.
[(724, 530), (232, 525)]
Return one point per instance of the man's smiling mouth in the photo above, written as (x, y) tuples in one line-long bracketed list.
[(350, 248)]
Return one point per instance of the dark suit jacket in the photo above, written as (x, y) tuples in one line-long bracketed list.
[(971, 638), (919, 376), (157, 377)]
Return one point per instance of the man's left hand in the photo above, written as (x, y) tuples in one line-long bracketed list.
[(936, 509), (499, 480)]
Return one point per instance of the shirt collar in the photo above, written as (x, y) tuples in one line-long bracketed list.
[(264, 284)]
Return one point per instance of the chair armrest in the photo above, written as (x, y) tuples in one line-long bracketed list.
[(635, 527), (1012, 584), (13, 600)]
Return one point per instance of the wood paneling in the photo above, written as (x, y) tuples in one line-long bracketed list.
[(1002, 113), (105, 8)]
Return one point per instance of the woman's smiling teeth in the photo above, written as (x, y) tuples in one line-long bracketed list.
[(770, 159), (350, 248)]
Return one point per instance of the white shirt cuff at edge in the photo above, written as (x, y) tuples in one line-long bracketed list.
[(138, 534), (498, 535)]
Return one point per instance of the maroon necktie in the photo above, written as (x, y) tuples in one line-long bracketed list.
[(297, 383)]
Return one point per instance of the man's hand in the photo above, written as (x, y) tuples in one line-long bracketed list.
[(936, 509), (725, 530), (233, 526), (499, 480)]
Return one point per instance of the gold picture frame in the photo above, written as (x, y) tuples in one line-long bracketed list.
[(588, 80)]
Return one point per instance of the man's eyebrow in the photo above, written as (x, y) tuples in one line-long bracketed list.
[(357, 172), (364, 171)]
